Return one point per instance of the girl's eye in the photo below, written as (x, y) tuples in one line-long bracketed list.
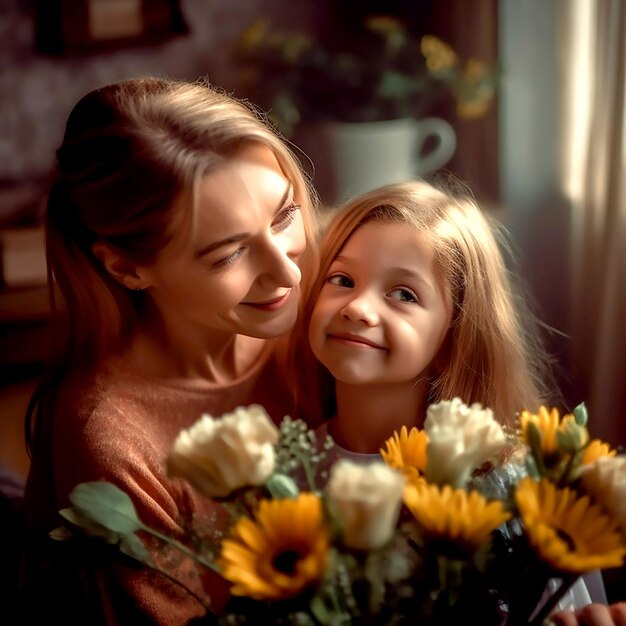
[(285, 217), (231, 258), (402, 294), (340, 280)]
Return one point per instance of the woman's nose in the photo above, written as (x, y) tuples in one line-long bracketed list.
[(361, 308), (281, 266)]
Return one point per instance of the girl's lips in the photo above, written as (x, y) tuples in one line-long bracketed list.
[(355, 340), (270, 305)]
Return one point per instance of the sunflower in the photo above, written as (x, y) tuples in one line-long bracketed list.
[(459, 518), (596, 450), (279, 554), (407, 452), (547, 423), (569, 532)]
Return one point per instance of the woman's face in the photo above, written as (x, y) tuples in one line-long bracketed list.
[(381, 315), (238, 272)]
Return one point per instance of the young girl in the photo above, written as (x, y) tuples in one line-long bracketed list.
[(178, 231), (412, 305)]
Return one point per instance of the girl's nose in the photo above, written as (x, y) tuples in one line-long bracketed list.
[(362, 309)]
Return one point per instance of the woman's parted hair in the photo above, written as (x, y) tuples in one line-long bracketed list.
[(130, 152), (493, 353)]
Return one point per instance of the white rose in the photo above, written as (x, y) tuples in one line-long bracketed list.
[(605, 481), (367, 499), (460, 439), (220, 455)]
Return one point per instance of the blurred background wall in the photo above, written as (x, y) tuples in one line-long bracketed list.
[(512, 155), (546, 157)]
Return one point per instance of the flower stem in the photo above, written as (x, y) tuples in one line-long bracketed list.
[(304, 461), (553, 600), (175, 580), (182, 548)]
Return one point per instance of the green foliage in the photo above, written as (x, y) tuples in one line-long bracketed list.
[(379, 73), (102, 510)]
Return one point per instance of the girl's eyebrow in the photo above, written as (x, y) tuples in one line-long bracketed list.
[(402, 271), (285, 200)]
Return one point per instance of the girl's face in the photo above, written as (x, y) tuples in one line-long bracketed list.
[(381, 315), (238, 271)]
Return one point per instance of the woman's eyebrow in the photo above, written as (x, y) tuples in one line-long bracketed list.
[(221, 243), (285, 200)]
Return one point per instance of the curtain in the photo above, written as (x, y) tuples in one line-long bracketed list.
[(592, 177)]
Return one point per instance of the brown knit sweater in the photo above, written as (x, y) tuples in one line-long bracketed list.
[(119, 427)]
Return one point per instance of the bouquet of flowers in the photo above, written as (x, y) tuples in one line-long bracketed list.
[(462, 518)]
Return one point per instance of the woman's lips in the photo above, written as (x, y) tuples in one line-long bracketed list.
[(270, 305)]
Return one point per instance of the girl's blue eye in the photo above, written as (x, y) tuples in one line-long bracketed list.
[(285, 217), (340, 280), (403, 294)]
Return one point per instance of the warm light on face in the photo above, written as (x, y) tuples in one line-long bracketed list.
[(238, 271), (381, 314)]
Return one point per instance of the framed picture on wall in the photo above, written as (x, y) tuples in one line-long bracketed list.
[(91, 26)]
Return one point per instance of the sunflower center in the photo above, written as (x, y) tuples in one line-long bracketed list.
[(569, 542), (286, 561)]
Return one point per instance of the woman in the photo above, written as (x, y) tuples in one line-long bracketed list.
[(178, 232)]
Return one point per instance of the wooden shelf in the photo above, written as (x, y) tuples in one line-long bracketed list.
[(22, 257)]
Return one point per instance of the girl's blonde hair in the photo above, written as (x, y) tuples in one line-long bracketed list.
[(492, 353), (127, 170)]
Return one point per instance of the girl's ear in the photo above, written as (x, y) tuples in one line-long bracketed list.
[(125, 272)]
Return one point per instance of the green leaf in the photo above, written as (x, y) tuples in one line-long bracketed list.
[(132, 546), (61, 534), (319, 610), (573, 438), (531, 466), (581, 415), (282, 486), (88, 525), (107, 505), (533, 434)]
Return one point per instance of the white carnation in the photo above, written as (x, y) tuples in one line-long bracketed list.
[(605, 481), (219, 455), (367, 499), (460, 439)]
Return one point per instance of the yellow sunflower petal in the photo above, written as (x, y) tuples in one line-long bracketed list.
[(564, 528), (595, 450), (279, 554), (464, 519), (406, 451)]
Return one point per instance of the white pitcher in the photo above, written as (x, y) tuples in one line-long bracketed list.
[(352, 158)]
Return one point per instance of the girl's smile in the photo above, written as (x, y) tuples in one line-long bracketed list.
[(353, 340)]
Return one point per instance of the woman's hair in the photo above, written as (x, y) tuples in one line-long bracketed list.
[(492, 353), (127, 170)]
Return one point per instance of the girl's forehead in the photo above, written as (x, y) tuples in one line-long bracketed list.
[(389, 243), (387, 231)]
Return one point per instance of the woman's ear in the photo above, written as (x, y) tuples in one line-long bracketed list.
[(118, 267)]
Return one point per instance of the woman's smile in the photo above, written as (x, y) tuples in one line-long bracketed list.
[(274, 304)]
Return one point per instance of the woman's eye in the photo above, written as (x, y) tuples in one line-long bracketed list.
[(231, 258), (340, 280), (285, 217), (403, 294)]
